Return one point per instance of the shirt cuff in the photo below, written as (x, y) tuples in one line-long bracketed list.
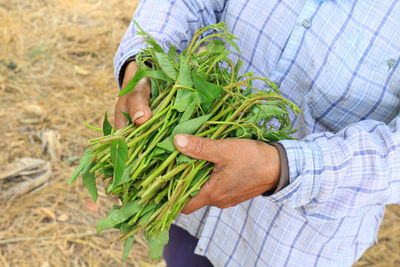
[(304, 163)]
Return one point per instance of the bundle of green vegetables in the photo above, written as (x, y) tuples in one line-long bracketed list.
[(196, 92)]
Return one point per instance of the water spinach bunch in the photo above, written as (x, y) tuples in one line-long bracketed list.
[(197, 91)]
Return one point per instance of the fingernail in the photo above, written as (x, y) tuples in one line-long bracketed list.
[(137, 115), (181, 140)]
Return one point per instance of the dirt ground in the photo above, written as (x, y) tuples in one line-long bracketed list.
[(56, 73)]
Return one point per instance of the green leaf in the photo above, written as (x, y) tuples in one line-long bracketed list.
[(127, 247), (216, 45), (185, 77), (119, 215), (89, 181), (172, 53), (208, 91), (238, 66), (273, 136), (154, 89), (197, 177), (157, 151), (187, 114), (125, 176), (158, 74), (84, 161), (108, 171), (183, 99), (149, 40), (145, 218), (119, 156), (107, 128), (157, 244), (166, 65), (123, 227), (149, 208), (167, 144), (187, 127), (270, 110), (140, 74), (190, 126), (232, 43), (183, 159), (127, 117)]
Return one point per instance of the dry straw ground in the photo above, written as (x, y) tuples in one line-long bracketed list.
[(56, 57)]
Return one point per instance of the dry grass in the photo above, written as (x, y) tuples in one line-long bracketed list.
[(58, 54)]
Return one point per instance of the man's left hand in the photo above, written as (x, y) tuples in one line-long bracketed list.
[(243, 169)]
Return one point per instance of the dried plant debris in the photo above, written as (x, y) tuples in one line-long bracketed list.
[(23, 176)]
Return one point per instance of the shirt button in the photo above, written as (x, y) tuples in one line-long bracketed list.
[(306, 23), (391, 62)]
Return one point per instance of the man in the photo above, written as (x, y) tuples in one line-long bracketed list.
[(327, 191)]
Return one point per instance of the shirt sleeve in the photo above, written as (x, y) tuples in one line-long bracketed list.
[(167, 22), (343, 174)]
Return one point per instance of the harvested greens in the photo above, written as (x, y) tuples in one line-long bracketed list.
[(196, 92)]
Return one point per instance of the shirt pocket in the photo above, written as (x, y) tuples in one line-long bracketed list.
[(360, 80)]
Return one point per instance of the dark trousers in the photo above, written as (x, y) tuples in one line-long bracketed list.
[(179, 252)]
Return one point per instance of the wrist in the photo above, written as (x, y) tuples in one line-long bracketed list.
[(283, 178)]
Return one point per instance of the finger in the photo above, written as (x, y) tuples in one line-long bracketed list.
[(138, 102), (197, 202), (199, 147), (119, 119)]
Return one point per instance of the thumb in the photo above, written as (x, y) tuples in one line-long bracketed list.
[(198, 147)]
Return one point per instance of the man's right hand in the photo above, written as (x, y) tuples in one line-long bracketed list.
[(136, 103)]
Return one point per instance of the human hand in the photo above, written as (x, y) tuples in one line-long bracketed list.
[(243, 169), (135, 103)]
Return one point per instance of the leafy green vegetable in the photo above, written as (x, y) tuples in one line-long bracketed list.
[(127, 247), (172, 53), (106, 126), (185, 77), (158, 74), (157, 244), (119, 215), (200, 92), (119, 156), (167, 144), (84, 162), (188, 112), (127, 117), (166, 65), (190, 126), (140, 74), (183, 99), (89, 181), (208, 91)]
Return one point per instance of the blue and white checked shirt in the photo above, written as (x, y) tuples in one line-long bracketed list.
[(337, 60)]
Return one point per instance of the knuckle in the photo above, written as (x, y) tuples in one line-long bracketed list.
[(198, 145)]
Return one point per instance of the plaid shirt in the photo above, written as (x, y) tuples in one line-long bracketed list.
[(337, 60)]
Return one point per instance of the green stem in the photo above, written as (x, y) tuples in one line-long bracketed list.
[(147, 194), (156, 172)]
